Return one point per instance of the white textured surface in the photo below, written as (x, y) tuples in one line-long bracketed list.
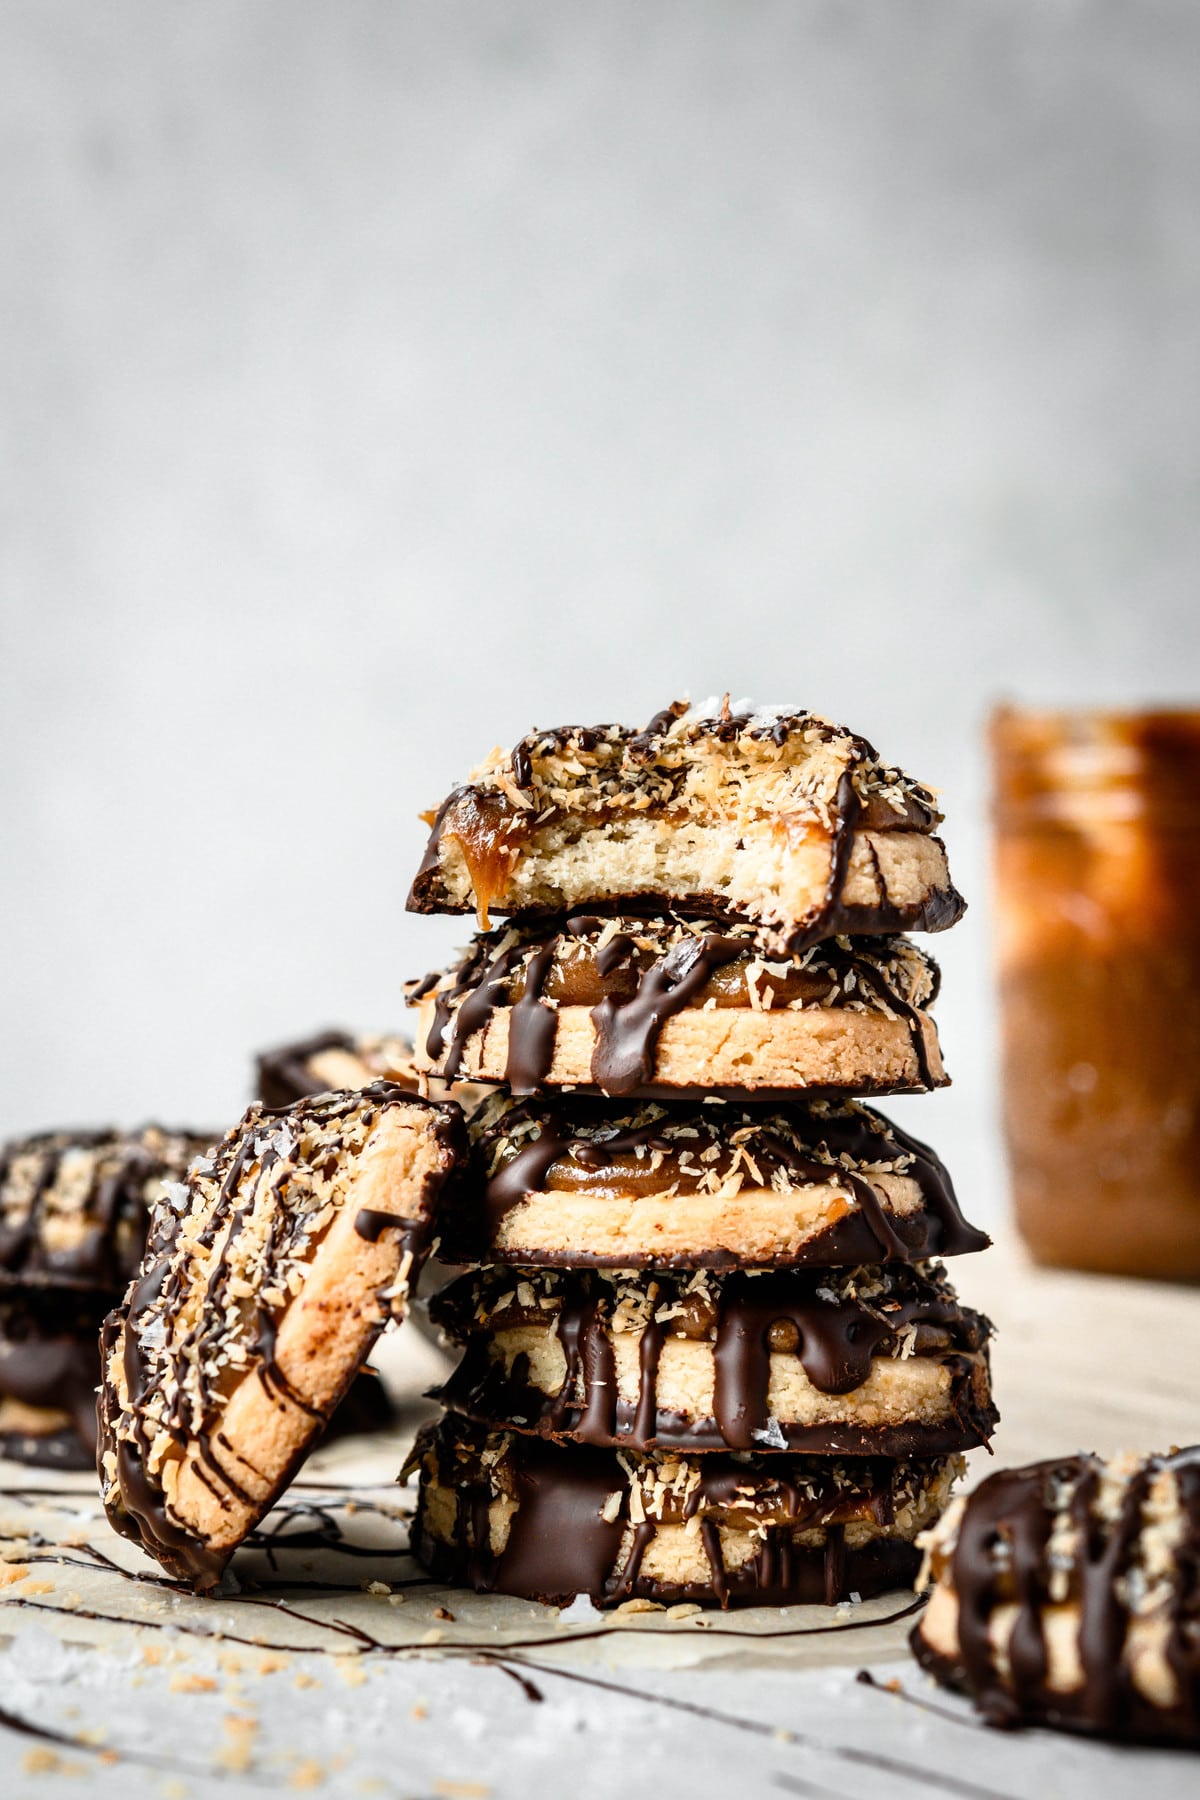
[(379, 379)]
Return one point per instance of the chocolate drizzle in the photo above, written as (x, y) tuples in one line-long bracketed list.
[(627, 1031), (532, 1027), (1003, 1557)]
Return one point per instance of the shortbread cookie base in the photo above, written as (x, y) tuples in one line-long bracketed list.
[(590, 1183), (759, 1227), (827, 1049), (517, 1516), (894, 881)]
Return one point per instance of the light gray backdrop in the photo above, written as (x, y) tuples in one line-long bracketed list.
[(381, 379)]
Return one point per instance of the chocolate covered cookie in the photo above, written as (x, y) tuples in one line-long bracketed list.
[(268, 1275), (698, 1184), (515, 1515), (881, 1361), (49, 1371), (331, 1060), (74, 1205), (644, 1006), (1067, 1593), (773, 816)]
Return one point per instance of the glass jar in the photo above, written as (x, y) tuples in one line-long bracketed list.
[(1097, 872)]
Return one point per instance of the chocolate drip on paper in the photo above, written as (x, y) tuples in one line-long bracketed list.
[(1003, 1558)]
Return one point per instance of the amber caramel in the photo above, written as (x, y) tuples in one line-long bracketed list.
[(1098, 882)]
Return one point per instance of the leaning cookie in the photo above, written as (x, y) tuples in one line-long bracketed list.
[(881, 1361), (638, 1006), (774, 816), (1068, 1594), (513, 1515), (269, 1274), (698, 1184), (74, 1205)]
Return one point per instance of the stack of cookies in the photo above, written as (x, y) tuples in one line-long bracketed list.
[(709, 1352), (74, 1208)]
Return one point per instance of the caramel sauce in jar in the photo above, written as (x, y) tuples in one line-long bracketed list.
[(1097, 873)]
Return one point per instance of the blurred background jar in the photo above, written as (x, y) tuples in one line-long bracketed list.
[(1097, 872)]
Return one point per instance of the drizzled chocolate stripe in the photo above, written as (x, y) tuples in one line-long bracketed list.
[(627, 1032)]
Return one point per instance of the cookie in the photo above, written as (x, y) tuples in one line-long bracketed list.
[(648, 1006), (332, 1060), (49, 1370), (74, 1205), (514, 1515), (879, 1361), (698, 1184), (773, 816), (267, 1278), (1068, 1594)]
